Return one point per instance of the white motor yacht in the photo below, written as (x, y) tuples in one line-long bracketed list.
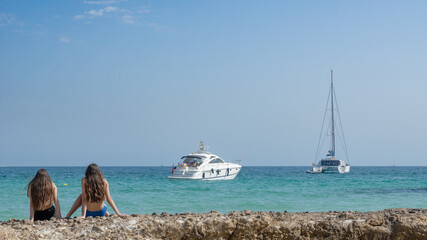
[(203, 165), (330, 163)]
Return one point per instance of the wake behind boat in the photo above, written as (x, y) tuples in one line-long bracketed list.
[(331, 163), (203, 165)]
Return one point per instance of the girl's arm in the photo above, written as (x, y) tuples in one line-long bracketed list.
[(84, 201), (31, 205), (55, 200), (109, 198), (75, 206)]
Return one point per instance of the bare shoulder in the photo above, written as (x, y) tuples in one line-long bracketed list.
[(106, 187), (53, 185)]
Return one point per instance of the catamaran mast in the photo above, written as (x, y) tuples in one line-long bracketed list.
[(332, 113)]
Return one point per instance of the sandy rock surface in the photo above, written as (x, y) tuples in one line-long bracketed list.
[(386, 224)]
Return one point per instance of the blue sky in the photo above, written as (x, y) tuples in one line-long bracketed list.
[(141, 82)]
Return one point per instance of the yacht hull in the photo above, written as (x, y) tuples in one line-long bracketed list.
[(206, 174)]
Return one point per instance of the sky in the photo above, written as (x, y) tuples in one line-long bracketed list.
[(140, 83)]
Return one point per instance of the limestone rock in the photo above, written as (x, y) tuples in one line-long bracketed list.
[(386, 224)]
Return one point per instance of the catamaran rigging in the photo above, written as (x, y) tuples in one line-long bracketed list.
[(331, 163)]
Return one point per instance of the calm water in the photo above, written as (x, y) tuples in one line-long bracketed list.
[(147, 190)]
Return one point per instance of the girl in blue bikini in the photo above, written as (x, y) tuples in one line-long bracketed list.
[(95, 191)]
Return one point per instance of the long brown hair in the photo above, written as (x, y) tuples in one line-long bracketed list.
[(94, 184), (41, 189)]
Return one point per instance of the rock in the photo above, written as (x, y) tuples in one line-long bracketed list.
[(247, 212), (98, 229), (164, 214), (386, 224), (27, 221), (376, 220), (7, 233)]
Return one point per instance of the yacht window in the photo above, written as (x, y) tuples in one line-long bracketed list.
[(190, 160), (217, 160), (213, 161)]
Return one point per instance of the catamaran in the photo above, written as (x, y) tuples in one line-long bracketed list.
[(203, 165), (331, 163)]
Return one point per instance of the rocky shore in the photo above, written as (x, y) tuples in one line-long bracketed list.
[(386, 224)]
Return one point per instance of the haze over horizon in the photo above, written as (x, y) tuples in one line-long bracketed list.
[(140, 83)]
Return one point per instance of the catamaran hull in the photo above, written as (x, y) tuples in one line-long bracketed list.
[(330, 169), (340, 169), (344, 169)]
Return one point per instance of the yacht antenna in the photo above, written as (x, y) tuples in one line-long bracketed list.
[(202, 146)]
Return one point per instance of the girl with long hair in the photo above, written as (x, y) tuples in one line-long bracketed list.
[(95, 190), (42, 192)]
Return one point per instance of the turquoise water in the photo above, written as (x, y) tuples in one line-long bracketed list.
[(145, 190)]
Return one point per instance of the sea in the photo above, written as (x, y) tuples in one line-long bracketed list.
[(145, 190)]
